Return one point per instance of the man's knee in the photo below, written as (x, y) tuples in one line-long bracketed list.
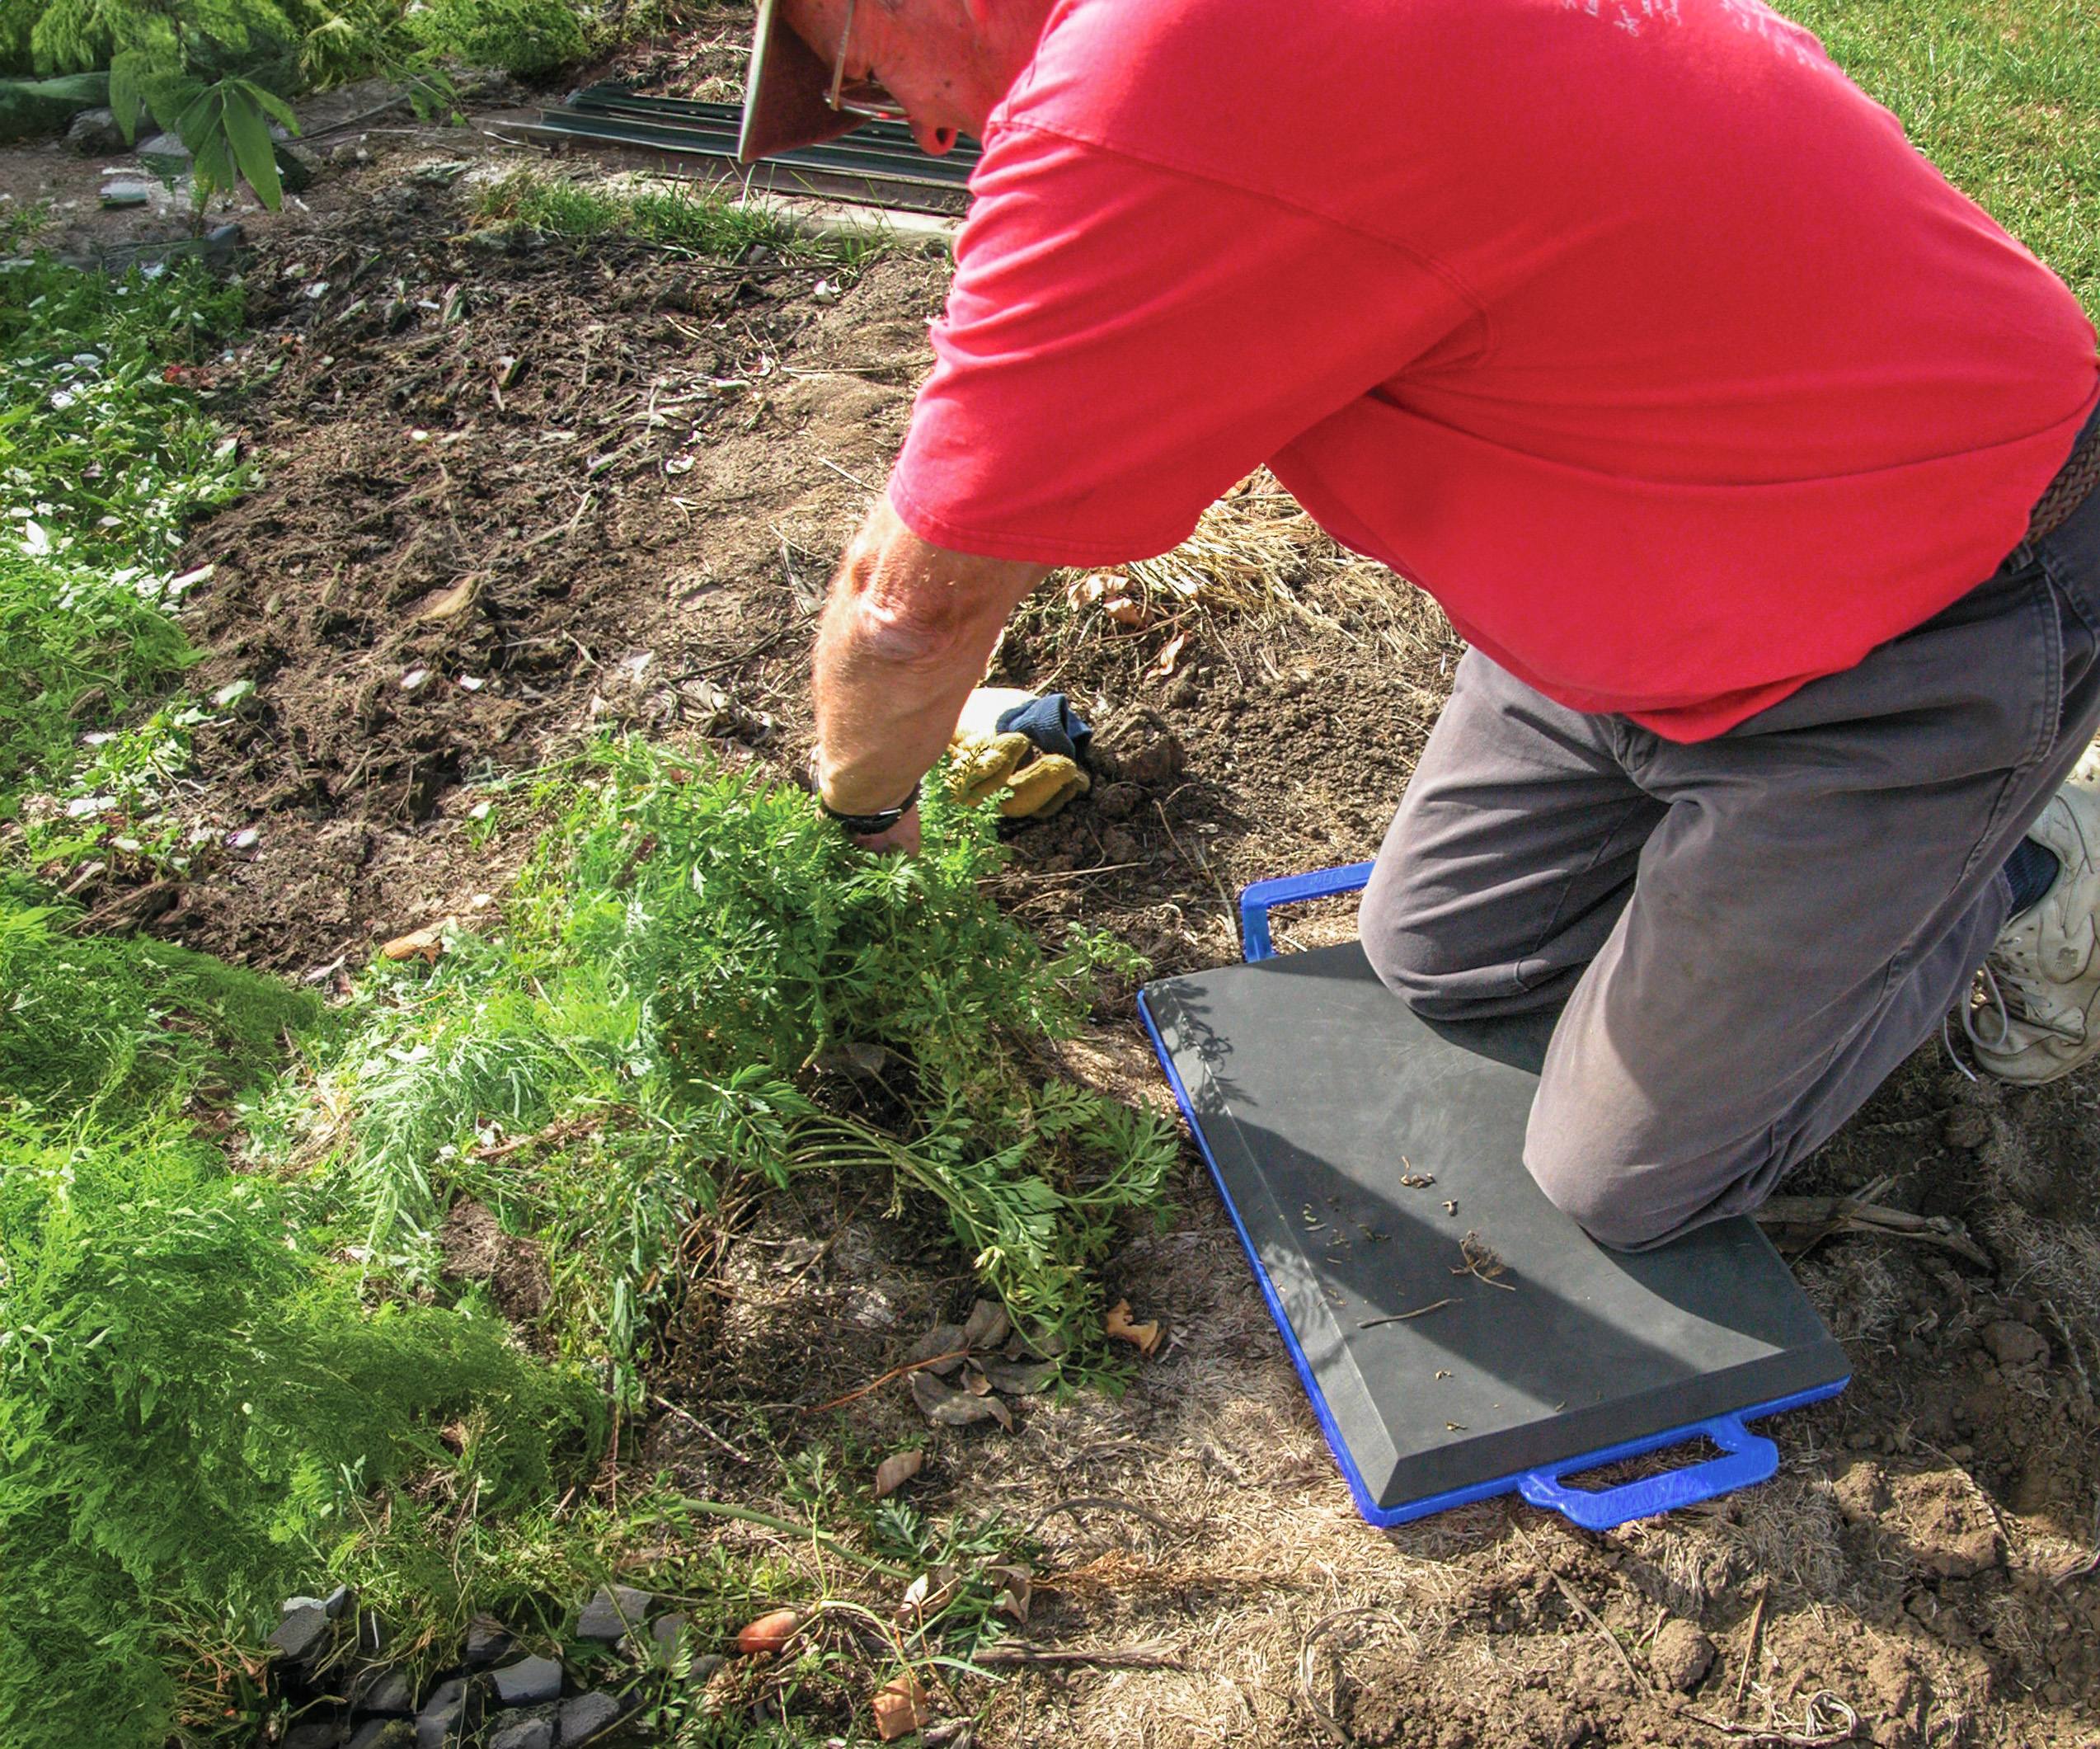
[(1616, 1196), (1412, 956)]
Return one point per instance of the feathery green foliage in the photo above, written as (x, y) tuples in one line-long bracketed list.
[(688, 953), (194, 1403), (703, 224), (189, 1405), (133, 1023), (521, 36)]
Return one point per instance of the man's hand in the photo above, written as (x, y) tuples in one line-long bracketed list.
[(906, 633)]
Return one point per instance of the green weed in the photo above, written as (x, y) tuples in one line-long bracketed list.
[(130, 1025), (700, 224), (106, 454), (527, 37), (75, 648), (692, 955)]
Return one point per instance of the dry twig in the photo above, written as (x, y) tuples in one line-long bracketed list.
[(1809, 1736), (1605, 1634), (895, 1372), (1419, 1311), (1481, 1263), (1151, 1655), (1327, 1721), (1799, 1224)]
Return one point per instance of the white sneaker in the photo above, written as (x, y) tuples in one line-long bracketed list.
[(2035, 1014)]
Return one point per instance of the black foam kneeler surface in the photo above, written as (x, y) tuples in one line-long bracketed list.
[(1316, 1091)]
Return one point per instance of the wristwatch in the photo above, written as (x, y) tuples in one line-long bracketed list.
[(870, 825)]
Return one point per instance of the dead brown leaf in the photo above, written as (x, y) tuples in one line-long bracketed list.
[(1014, 1589), (986, 1327), (1020, 1378), (927, 1595), (896, 1469), (900, 1707), (943, 1345), (1169, 657), (1143, 1336), (956, 1409)]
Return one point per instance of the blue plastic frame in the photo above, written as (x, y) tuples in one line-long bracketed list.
[(1747, 1458)]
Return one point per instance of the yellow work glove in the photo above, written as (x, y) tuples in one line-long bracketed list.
[(982, 762)]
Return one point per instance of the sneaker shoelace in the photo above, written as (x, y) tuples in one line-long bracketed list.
[(2018, 1008)]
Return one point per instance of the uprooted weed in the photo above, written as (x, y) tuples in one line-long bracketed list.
[(701, 984)]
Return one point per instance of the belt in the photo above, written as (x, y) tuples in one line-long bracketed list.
[(2072, 486)]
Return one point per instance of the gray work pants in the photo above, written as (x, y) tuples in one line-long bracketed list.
[(1749, 933)]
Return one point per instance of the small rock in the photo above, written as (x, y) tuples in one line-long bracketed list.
[(2015, 1344), (667, 1630), (95, 134), (487, 1640), (528, 1681), (445, 1718), (315, 1734), (340, 1601), (523, 1733), (1680, 1655), (1967, 1127), (703, 1669), (384, 1734), (1118, 801), (163, 145), (291, 1604), (612, 1612), (586, 1717), (392, 1694), (302, 1634)]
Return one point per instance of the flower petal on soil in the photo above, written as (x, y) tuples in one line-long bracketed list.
[(1143, 1336)]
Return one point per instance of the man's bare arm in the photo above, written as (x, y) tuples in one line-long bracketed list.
[(906, 634)]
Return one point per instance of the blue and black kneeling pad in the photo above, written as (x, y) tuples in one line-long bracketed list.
[(1458, 1335)]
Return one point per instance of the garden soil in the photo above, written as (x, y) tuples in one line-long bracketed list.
[(510, 491)]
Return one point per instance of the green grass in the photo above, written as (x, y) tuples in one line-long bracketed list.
[(669, 216), (2004, 98)]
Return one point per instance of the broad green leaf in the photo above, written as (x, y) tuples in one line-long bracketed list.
[(248, 132)]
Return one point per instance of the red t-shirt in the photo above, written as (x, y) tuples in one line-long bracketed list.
[(1629, 329)]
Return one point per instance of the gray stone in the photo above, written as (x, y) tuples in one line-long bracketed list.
[(164, 145), (446, 1716), (1680, 1655), (95, 134), (315, 1734), (667, 1630), (291, 1604), (703, 1669), (586, 1717), (393, 1694), (524, 1733), (340, 1601), (302, 1635), (384, 1734), (612, 1612), (487, 1640), (528, 1681)]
